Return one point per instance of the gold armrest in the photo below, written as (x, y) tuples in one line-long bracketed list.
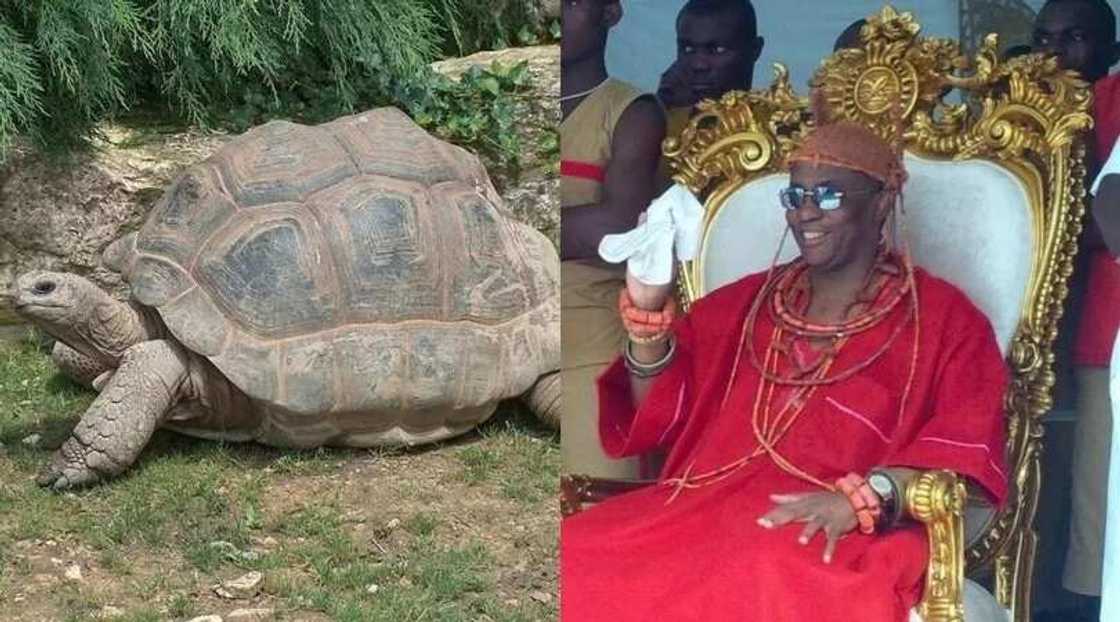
[(936, 498)]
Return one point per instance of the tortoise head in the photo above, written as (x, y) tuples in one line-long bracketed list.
[(54, 300)]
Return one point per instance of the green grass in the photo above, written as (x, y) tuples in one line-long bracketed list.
[(521, 461), (192, 513)]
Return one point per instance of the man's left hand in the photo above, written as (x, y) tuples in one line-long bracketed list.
[(827, 512)]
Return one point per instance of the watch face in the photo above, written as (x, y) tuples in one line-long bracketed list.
[(880, 484)]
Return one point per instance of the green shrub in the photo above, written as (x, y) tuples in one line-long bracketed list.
[(473, 110), (65, 66), (471, 25)]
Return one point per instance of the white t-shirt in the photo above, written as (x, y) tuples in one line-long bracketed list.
[(1110, 582), (1112, 167)]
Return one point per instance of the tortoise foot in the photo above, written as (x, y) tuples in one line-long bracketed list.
[(77, 464)]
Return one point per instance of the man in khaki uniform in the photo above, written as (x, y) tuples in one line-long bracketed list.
[(610, 143)]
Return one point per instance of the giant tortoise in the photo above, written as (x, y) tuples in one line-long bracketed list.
[(355, 283)]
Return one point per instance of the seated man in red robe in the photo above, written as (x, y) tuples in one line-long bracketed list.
[(795, 406)]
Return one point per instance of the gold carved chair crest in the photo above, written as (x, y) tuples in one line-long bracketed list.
[(993, 204)]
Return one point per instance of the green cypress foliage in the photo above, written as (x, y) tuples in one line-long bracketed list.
[(65, 65)]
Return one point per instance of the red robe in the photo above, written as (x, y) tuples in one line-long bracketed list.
[(703, 557), (1100, 314)]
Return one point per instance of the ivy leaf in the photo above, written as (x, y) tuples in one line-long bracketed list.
[(491, 85), (519, 74), (526, 36)]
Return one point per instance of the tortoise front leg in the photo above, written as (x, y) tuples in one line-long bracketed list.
[(85, 370), (119, 423)]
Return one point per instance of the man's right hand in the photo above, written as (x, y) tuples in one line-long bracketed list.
[(673, 90), (648, 297)]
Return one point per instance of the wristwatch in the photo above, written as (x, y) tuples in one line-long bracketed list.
[(885, 486)]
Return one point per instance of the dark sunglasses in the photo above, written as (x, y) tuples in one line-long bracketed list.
[(824, 196)]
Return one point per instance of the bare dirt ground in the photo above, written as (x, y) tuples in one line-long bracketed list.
[(462, 531)]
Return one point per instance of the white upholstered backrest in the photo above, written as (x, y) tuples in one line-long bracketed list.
[(968, 222)]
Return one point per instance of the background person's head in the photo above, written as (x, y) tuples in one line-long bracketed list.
[(717, 46), (1081, 33), (850, 37), (584, 28), (1016, 51)]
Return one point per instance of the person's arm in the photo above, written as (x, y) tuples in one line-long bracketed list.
[(1106, 211), (673, 90), (638, 415), (629, 185), (1104, 227)]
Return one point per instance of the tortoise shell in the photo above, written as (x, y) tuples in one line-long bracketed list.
[(360, 265)]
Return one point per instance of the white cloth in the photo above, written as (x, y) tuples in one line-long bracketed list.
[(671, 221), (1110, 580), (1111, 167)]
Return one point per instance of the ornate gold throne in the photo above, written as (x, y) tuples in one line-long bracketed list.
[(994, 205)]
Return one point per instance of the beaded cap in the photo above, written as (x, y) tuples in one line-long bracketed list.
[(852, 146)]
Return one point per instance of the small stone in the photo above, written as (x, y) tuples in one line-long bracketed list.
[(405, 582), (108, 612), (74, 572), (32, 440), (372, 588), (249, 614), (541, 597), (209, 618), (393, 524), (269, 542), (56, 561), (245, 586)]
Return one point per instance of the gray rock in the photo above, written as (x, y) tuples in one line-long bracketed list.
[(60, 215), (32, 440), (209, 618), (245, 586), (73, 572), (246, 615), (534, 197)]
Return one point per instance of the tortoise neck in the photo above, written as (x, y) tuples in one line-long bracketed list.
[(110, 327)]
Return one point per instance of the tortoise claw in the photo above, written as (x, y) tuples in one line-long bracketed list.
[(69, 468)]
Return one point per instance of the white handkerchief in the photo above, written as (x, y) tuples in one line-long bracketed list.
[(671, 221)]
